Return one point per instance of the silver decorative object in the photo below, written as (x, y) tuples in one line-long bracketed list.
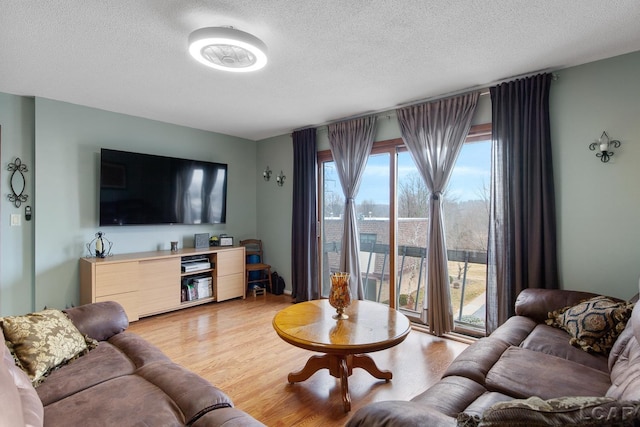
[(100, 246)]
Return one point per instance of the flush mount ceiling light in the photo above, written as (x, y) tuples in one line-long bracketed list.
[(227, 49)]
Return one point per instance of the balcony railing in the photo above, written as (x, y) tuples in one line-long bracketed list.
[(409, 284)]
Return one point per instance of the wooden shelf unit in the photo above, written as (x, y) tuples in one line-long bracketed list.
[(148, 283)]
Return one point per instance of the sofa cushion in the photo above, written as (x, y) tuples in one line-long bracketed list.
[(554, 341), (121, 355), (137, 349), (124, 401), (522, 373), (593, 324), (536, 304), (460, 392), (99, 320), (102, 364), (42, 341), (564, 411), (194, 395), (516, 330), (476, 360)]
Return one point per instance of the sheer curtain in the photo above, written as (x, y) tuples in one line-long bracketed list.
[(522, 221), (434, 133), (351, 143), (304, 247)]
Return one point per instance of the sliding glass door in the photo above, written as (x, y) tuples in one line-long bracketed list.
[(392, 211), (413, 207), (466, 212), (373, 205)]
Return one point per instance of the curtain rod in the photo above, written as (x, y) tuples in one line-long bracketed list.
[(391, 111)]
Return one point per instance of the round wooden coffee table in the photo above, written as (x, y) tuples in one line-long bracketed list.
[(370, 327)]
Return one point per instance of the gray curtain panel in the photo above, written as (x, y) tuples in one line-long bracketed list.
[(304, 246), (522, 221), (351, 143), (434, 133)]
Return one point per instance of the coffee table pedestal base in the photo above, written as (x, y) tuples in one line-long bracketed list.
[(340, 366)]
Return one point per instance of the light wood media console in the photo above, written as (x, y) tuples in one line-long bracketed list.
[(147, 283)]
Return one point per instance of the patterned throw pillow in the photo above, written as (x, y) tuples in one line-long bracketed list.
[(43, 341), (593, 324), (562, 411)]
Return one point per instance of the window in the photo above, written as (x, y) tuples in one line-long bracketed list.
[(372, 214), (392, 210), (466, 215)]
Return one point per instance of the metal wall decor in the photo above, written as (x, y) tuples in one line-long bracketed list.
[(603, 145), (266, 174), (17, 182), (100, 246)]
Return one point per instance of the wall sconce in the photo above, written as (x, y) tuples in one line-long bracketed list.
[(604, 144), (280, 179), (266, 174)]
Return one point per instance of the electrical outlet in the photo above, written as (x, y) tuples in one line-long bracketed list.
[(15, 220)]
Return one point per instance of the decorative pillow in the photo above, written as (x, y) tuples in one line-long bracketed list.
[(43, 341), (593, 324), (562, 411)]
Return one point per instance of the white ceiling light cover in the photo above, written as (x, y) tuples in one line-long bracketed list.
[(228, 49)]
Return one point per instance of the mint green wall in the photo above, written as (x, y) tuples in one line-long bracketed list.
[(16, 247), (68, 139), (60, 144), (598, 204), (274, 204)]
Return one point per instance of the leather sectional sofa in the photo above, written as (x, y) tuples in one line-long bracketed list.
[(124, 381), (524, 358)]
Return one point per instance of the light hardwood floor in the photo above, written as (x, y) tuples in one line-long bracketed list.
[(233, 345)]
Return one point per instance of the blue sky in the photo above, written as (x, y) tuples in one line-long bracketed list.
[(471, 173)]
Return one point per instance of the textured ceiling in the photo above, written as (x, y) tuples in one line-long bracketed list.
[(328, 59)]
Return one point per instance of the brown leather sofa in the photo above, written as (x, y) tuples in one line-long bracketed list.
[(124, 381), (522, 358)]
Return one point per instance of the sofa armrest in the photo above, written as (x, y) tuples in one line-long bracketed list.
[(399, 413), (19, 401), (227, 417), (100, 320), (538, 303)]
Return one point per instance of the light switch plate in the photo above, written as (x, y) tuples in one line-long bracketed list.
[(15, 220)]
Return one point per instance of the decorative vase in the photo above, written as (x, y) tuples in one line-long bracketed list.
[(340, 294)]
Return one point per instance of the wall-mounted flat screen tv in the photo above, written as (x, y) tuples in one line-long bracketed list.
[(144, 189)]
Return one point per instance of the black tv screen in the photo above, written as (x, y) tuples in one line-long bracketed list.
[(141, 189)]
